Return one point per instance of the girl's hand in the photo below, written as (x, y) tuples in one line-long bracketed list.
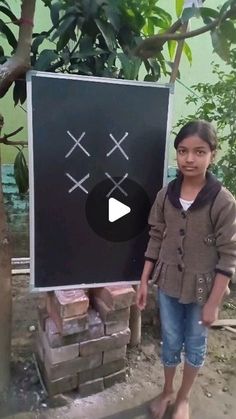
[(209, 314), (141, 297)]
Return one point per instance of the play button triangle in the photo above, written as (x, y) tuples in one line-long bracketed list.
[(116, 210)]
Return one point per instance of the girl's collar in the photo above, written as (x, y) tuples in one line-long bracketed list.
[(206, 194)]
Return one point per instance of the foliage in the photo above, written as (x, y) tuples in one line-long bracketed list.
[(21, 173), (217, 103), (98, 37)]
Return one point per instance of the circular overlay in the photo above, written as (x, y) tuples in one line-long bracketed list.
[(127, 193)]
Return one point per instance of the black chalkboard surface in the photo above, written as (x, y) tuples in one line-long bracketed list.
[(97, 159)]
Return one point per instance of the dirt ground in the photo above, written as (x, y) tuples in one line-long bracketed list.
[(213, 397)]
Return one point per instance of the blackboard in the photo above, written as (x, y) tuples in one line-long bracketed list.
[(92, 142)]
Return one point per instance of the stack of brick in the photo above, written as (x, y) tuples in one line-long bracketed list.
[(82, 339)]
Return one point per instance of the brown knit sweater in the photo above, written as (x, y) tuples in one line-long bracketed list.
[(189, 247)]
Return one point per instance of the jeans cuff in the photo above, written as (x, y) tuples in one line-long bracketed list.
[(170, 364), (194, 365)]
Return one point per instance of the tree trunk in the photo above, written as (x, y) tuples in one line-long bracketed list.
[(5, 299), (17, 65)]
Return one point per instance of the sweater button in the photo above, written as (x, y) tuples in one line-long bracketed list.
[(180, 269), (182, 232), (180, 251), (183, 214)]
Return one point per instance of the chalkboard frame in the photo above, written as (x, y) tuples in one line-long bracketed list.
[(30, 75)]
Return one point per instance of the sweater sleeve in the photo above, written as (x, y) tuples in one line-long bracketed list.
[(156, 221), (225, 233)]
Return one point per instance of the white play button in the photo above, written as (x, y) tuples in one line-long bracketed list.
[(116, 210)]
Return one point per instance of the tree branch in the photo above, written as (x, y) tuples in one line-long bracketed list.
[(13, 133), (4, 140), (178, 54), (17, 65), (151, 46)]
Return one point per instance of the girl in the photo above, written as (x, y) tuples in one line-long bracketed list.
[(193, 248)]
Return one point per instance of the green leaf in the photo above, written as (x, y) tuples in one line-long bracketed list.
[(65, 24), (229, 31), (5, 2), (161, 13), (220, 44), (114, 16), (207, 12), (46, 58), (226, 6), (179, 4), (8, 34), (162, 63), (36, 43), (21, 173), (19, 91), (155, 68), (187, 51), (151, 78), (189, 12), (90, 8), (159, 23), (172, 44), (107, 33), (148, 28), (8, 13), (55, 13), (151, 28), (125, 64), (67, 32), (86, 44)]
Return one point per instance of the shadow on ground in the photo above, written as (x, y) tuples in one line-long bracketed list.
[(138, 412)]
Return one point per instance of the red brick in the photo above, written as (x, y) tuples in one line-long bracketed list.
[(64, 369), (105, 343), (101, 371), (107, 314), (96, 326), (91, 387), (116, 297), (114, 354), (56, 340), (71, 302), (69, 325), (117, 377), (61, 385), (61, 354), (114, 327)]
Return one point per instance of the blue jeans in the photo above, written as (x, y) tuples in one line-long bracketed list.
[(181, 331)]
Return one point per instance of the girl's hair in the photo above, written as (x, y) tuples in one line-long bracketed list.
[(203, 129)]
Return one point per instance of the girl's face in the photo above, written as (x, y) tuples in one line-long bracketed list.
[(194, 156)]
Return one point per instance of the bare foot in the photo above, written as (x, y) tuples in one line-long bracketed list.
[(181, 410), (159, 405)]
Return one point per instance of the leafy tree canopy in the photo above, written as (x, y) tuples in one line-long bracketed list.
[(113, 38)]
